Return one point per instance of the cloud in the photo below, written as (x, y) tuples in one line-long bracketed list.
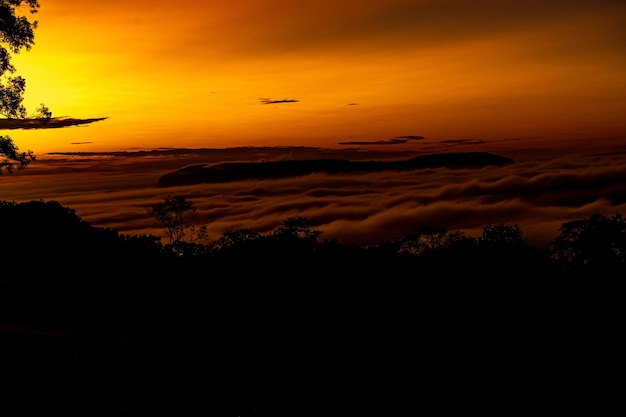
[(541, 191), (270, 101), (462, 142), (53, 123), (398, 140), (411, 137)]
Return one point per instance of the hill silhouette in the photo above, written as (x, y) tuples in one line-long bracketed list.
[(95, 322), (237, 171)]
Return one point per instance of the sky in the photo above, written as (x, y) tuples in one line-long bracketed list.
[(323, 72), (539, 81)]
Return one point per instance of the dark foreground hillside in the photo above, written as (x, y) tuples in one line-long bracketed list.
[(97, 323)]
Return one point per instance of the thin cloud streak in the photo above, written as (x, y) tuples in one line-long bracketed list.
[(394, 141), (272, 101)]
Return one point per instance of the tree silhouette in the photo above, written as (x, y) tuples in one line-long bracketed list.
[(503, 236), (174, 214), (16, 33), (11, 158), (233, 238), (43, 114), (11, 97), (428, 239), (597, 243), (298, 227)]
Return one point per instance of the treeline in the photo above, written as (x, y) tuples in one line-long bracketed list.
[(42, 235), (47, 244), (346, 322)]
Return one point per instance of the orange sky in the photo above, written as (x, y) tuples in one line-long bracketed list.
[(194, 74)]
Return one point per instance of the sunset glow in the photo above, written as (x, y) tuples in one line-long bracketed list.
[(312, 207), (541, 82), (195, 76)]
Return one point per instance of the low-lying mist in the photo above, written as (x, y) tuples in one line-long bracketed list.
[(540, 191)]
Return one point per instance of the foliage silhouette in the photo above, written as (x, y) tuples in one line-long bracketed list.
[(234, 238), (16, 33), (11, 158), (174, 215), (294, 228), (11, 97), (594, 245), (428, 239), (43, 114)]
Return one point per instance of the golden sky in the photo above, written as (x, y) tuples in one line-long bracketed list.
[(170, 74)]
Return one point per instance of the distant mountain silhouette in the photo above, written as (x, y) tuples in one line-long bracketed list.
[(237, 171)]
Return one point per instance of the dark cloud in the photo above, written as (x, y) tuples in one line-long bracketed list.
[(398, 140), (375, 142), (55, 122), (237, 171), (462, 142), (270, 101)]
